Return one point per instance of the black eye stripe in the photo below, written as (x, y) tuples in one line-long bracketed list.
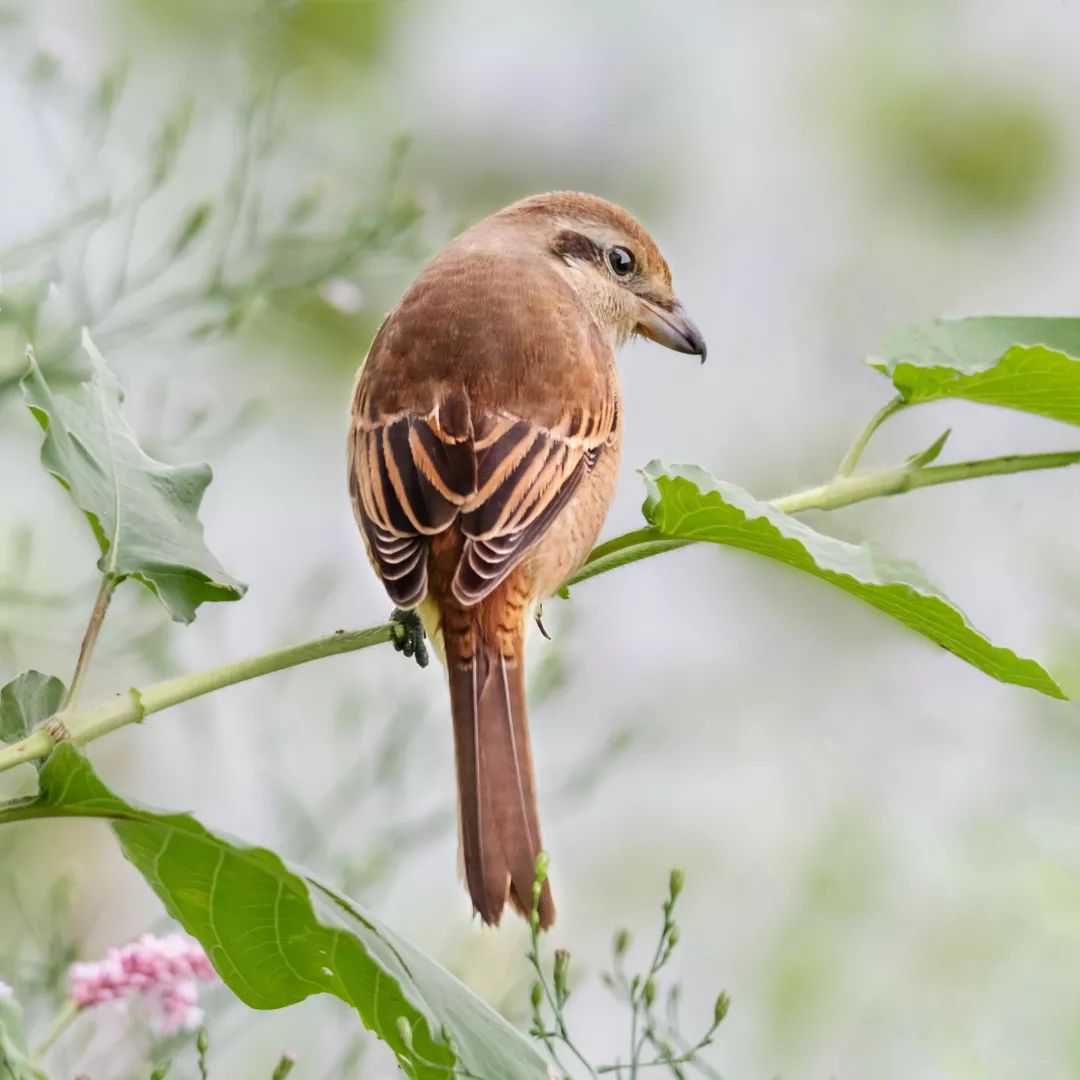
[(621, 260), (574, 245), (569, 244)]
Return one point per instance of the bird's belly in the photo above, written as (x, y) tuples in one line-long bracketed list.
[(430, 617), (573, 533)]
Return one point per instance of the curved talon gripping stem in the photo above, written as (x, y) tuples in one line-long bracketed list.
[(409, 635)]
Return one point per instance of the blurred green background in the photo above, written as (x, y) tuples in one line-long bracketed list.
[(881, 847)]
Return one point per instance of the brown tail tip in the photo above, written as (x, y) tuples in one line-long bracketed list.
[(489, 899)]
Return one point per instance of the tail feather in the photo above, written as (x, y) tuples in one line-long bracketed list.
[(500, 825)]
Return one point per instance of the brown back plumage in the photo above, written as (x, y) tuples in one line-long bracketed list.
[(455, 420)]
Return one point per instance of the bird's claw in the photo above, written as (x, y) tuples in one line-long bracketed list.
[(409, 635), (539, 616)]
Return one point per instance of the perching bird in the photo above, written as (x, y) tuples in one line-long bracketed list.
[(483, 451)]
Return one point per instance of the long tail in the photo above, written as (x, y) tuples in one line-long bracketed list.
[(500, 824)]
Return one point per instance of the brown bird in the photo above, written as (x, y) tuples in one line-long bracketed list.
[(483, 452)]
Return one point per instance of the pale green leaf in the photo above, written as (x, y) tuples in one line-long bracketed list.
[(686, 504), (1030, 364), (144, 514), (25, 702), (277, 936)]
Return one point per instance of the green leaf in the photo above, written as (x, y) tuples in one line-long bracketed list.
[(931, 453), (1029, 364), (685, 503), (277, 936), (143, 513), (15, 1063), (25, 702)]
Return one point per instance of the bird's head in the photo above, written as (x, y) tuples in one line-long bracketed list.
[(613, 265)]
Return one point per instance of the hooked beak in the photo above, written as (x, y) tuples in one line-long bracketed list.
[(671, 327)]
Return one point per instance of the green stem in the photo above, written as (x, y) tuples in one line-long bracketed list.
[(284, 1066), (843, 491), (628, 548), (86, 725), (851, 459), (846, 490), (64, 1019), (93, 629)]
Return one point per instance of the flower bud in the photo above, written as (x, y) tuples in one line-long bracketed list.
[(720, 1009), (676, 882), (562, 968)]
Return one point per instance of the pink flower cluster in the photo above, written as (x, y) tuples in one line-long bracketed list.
[(163, 972)]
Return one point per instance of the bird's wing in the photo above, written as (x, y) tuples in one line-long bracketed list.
[(501, 477), (410, 474), (525, 474)]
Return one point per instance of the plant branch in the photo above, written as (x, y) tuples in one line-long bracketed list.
[(84, 726), (628, 548), (837, 493), (851, 459), (845, 490), (64, 1019), (93, 629)]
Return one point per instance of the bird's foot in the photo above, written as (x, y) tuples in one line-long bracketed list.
[(409, 635), (539, 616)]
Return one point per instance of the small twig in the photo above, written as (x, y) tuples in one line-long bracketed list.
[(284, 1066), (837, 493), (235, 191), (93, 629), (202, 1045), (643, 988), (672, 1049), (851, 459), (64, 1019), (86, 725), (845, 491), (120, 278), (543, 990)]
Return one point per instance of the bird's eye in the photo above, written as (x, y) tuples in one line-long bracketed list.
[(620, 260)]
